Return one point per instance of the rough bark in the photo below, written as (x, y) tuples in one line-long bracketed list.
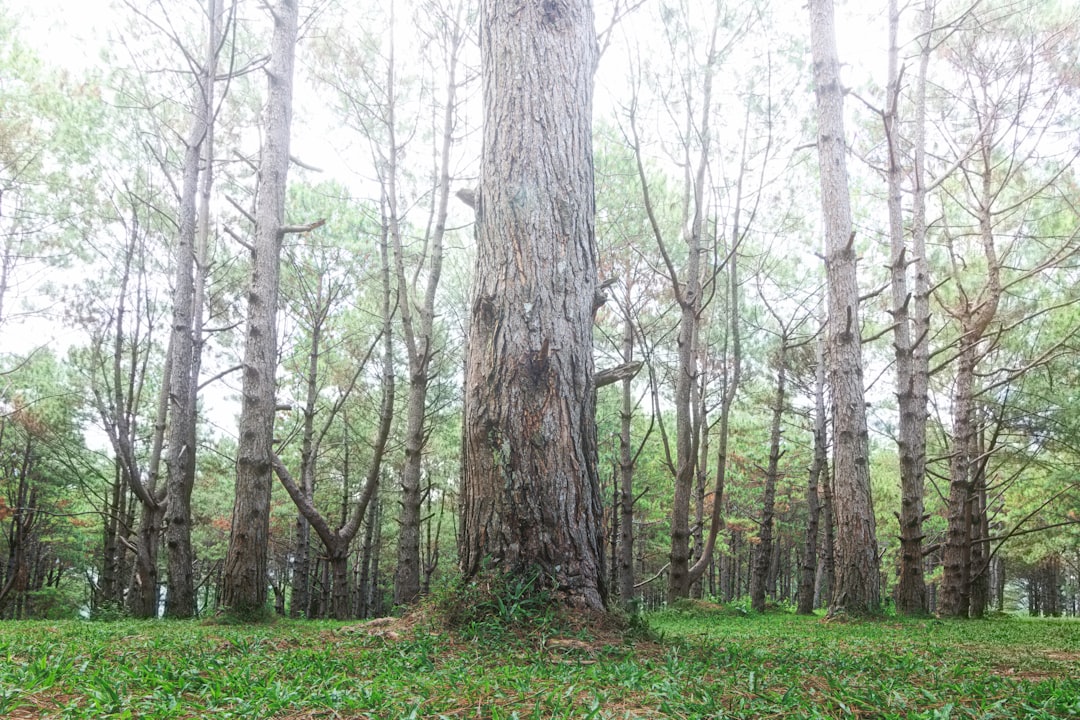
[(337, 540), (184, 345), (974, 312), (418, 333), (531, 493), (764, 550), (245, 581), (910, 593), (818, 469), (627, 592), (858, 585)]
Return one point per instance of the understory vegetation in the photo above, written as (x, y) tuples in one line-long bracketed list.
[(518, 659)]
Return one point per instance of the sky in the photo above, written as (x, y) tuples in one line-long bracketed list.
[(71, 33)]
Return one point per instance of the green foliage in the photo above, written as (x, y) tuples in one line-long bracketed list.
[(497, 603), (712, 665), (244, 616)]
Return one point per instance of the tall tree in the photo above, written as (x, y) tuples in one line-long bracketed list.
[(244, 589), (858, 584), (908, 342), (337, 540), (531, 493), (185, 344), (819, 470), (416, 306), (996, 245)]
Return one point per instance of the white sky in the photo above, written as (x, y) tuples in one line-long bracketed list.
[(71, 33)]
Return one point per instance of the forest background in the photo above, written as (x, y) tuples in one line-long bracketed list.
[(119, 138)]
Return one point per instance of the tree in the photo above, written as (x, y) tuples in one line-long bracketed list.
[(531, 493), (416, 307), (996, 244), (818, 473), (910, 317), (858, 585), (185, 344), (244, 590), (763, 552), (337, 540)]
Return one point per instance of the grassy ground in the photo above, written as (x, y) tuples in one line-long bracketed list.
[(704, 662)]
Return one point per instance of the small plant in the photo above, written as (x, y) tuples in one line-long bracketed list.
[(108, 612), (244, 616), (496, 602)]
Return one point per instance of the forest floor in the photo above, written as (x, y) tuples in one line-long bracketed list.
[(703, 661)]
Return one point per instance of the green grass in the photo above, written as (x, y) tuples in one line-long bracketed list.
[(707, 664)]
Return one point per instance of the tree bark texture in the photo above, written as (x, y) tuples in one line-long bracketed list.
[(910, 590), (627, 592), (419, 333), (245, 579), (763, 552), (974, 312), (818, 470), (184, 345), (531, 494), (858, 585)]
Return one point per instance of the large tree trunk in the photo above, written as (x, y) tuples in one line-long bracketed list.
[(531, 493), (858, 584), (244, 589)]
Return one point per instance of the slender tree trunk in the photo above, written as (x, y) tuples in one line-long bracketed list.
[(419, 338), (914, 515), (818, 468), (858, 581), (143, 599), (180, 601), (366, 559), (531, 493), (24, 515), (910, 590), (764, 550), (627, 593), (335, 590), (688, 294), (109, 588), (301, 580), (980, 546), (827, 580), (974, 315), (244, 589)]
